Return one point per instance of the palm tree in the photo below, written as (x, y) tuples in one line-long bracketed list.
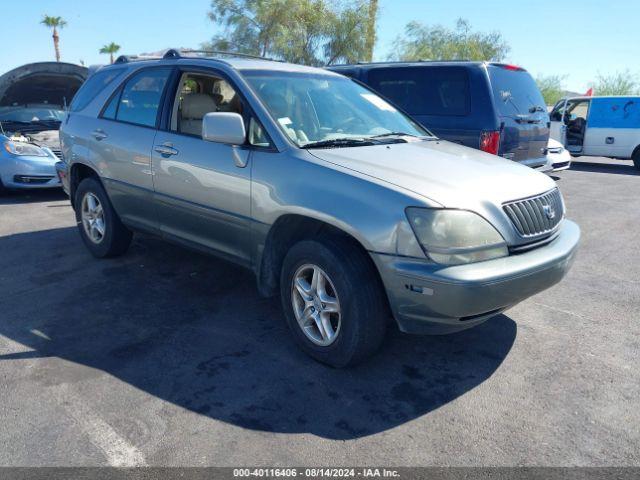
[(55, 23), (110, 49)]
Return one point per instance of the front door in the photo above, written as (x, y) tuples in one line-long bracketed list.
[(575, 118), (558, 130), (203, 189)]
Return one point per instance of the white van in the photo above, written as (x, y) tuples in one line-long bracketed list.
[(599, 126)]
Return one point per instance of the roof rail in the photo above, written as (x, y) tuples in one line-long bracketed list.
[(134, 58), (174, 53), (178, 53), (392, 62)]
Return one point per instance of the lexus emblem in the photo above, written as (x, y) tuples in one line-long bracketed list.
[(549, 211)]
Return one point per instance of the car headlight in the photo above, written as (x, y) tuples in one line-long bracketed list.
[(20, 148), (455, 237)]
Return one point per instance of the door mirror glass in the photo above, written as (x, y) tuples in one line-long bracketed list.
[(223, 127)]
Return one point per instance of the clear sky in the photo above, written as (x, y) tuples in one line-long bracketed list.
[(577, 38)]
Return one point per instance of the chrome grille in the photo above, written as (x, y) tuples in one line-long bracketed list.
[(537, 215)]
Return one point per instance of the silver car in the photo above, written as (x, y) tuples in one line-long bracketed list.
[(341, 204)]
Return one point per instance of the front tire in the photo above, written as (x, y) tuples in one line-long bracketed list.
[(99, 225), (333, 301)]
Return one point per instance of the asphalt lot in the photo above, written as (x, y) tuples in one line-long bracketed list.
[(167, 357)]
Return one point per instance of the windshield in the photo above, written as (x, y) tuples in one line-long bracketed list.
[(31, 114), (313, 108)]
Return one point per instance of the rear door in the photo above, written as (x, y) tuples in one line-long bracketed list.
[(613, 127), (522, 112), (120, 144)]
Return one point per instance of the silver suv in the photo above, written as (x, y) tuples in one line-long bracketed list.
[(338, 201)]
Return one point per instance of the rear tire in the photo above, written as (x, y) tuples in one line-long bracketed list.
[(351, 286), (636, 158), (99, 225)]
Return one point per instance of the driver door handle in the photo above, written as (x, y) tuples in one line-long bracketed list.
[(166, 149), (99, 134)]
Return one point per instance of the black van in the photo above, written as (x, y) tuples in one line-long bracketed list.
[(495, 107)]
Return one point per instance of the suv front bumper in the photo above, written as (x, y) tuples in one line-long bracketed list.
[(435, 299)]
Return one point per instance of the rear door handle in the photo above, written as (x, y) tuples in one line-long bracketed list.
[(166, 149), (99, 134)]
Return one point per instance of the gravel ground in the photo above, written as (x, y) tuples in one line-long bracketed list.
[(167, 357)]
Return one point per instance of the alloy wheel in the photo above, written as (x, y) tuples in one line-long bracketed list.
[(316, 305), (93, 218)]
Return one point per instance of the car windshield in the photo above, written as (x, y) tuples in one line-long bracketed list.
[(326, 110), (21, 114)]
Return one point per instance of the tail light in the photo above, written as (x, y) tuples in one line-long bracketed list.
[(490, 142)]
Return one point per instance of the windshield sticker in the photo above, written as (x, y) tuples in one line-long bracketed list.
[(285, 121), (378, 102)]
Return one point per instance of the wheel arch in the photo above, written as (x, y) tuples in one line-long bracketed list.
[(287, 230), (635, 156), (78, 172)]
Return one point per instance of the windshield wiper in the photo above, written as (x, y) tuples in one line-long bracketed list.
[(394, 134), (341, 142), (16, 122)]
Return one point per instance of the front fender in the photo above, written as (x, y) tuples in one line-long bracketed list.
[(370, 211)]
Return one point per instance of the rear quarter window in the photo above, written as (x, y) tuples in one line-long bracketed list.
[(95, 84), (425, 90)]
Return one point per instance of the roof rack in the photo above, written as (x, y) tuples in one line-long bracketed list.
[(174, 53), (179, 53), (385, 62), (135, 58)]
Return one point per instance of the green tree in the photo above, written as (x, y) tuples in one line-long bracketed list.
[(110, 48), (425, 42), (551, 87), (619, 83), (313, 32), (55, 23)]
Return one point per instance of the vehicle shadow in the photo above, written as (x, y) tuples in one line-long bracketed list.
[(15, 197), (614, 168), (192, 330)]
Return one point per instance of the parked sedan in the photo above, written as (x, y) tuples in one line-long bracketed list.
[(32, 100), (558, 157), (28, 161)]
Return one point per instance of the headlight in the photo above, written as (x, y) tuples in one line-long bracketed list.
[(20, 148), (454, 237)]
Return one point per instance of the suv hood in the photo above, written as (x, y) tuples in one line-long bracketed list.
[(449, 174)]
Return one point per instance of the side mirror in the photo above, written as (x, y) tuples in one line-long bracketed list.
[(223, 127)]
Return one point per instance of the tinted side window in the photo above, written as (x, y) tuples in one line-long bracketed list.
[(141, 96), (112, 107), (425, 90), (92, 87)]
